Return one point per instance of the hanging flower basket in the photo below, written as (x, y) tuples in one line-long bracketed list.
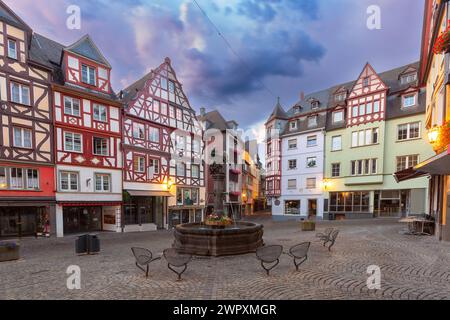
[(235, 193), (442, 43)]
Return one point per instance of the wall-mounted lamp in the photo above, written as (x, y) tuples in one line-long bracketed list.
[(167, 185), (326, 184), (433, 135)]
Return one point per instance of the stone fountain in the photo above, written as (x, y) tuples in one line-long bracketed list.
[(203, 240)]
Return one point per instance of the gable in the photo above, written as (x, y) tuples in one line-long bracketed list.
[(375, 84), (7, 15), (85, 47), (407, 71)]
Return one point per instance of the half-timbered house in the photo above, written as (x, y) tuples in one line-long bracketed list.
[(87, 134), (162, 154), (27, 197)]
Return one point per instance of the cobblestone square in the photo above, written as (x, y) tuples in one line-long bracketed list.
[(412, 267)]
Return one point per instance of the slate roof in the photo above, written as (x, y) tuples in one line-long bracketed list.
[(7, 15), (327, 102), (87, 48), (278, 112), (215, 120)]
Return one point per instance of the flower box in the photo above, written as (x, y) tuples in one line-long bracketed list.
[(9, 251), (442, 43), (235, 193), (308, 225)]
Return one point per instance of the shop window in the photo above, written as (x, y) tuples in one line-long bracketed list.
[(292, 207)]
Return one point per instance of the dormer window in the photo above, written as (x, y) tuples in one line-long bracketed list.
[(409, 100), (12, 49), (312, 121), (88, 75), (314, 104), (297, 109), (293, 125), (340, 97), (408, 78), (338, 116)]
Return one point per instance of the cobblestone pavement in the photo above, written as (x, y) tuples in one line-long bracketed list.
[(412, 267)]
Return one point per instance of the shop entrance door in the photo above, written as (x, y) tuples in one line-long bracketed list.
[(18, 221), (82, 219), (312, 208)]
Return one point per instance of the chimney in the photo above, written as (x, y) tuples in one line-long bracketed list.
[(302, 95), (202, 112)]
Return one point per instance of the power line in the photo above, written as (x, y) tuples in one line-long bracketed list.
[(242, 61)]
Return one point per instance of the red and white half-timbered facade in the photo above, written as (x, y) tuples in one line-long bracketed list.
[(163, 166), (87, 120)]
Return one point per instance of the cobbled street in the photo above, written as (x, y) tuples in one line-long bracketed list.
[(412, 267)]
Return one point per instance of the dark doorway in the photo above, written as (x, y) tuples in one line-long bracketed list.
[(312, 208), (82, 219), (19, 221)]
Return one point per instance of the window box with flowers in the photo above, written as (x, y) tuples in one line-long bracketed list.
[(442, 43)]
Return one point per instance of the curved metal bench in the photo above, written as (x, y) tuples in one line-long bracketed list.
[(324, 235), (177, 260), (143, 258), (269, 255), (299, 253), (331, 239)]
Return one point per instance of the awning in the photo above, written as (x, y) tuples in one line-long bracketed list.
[(141, 193), (437, 165), (89, 204)]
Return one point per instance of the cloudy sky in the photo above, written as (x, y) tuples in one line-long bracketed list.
[(278, 47)]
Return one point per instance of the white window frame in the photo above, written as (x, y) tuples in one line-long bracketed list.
[(292, 187), (151, 136), (70, 175), (102, 177), (35, 185), (140, 165), (23, 142), (13, 185), (3, 178), (293, 125), (408, 96), (98, 110), (21, 88), (197, 176), (89, 81), (293, 161), (310, 187), (137, 129), (309, 139), (73, 134), (15, 54), (72, 109), (333, 139), (341, 114), (104, 151), (332, 169), (309, 162), (292, 144), (312, 121)]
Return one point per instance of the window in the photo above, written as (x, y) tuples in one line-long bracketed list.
[(335, 169), (364, 167), (154, 134), (153, 167), (338, 116), (292, 207), (336, 143), (292, 164), (179, 114), (195, 171), (355, 111), (408, 131), (310, 183), (269, 148), (409, 101), (72, 106), (408, 78), (292, 184), (311, 162), (138, 131), (68, 181), (102, 182), (311, 141), (292, 144), (17, 178), (312, 121), (88, 75), (12, 49), (366, 82), (269, 166), (196, 146), (369, 108), (163, 108), (139, 164), (314, 105), (22, 138), (362, 109), (364, 137), (340, 97), (171, 87), (3, 178), (100, 146), (32, 179), (293, 125), (180, 143), (20, 93), (405, 162), (181, 169), (171, 112), (349, 202), (100, 113), (376, 106), (72, 142)]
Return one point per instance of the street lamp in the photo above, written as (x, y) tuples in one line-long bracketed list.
[(433, 135)]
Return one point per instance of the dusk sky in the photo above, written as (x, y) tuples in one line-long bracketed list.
[(288, 46)]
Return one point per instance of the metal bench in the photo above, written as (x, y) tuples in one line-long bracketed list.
[(331, 239), (300, 253), (269, 255), (177, 260), (143, 259), (324, 235)]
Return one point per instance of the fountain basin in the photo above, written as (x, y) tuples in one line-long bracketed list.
[(199, 239)]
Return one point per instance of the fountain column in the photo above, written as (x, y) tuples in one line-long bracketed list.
[(217, 172)]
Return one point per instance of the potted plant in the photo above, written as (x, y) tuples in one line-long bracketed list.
[(215, 220), (442, 43), (9, 251), (308, 225)]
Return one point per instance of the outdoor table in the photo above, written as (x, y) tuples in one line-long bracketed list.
[(413, 222)]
